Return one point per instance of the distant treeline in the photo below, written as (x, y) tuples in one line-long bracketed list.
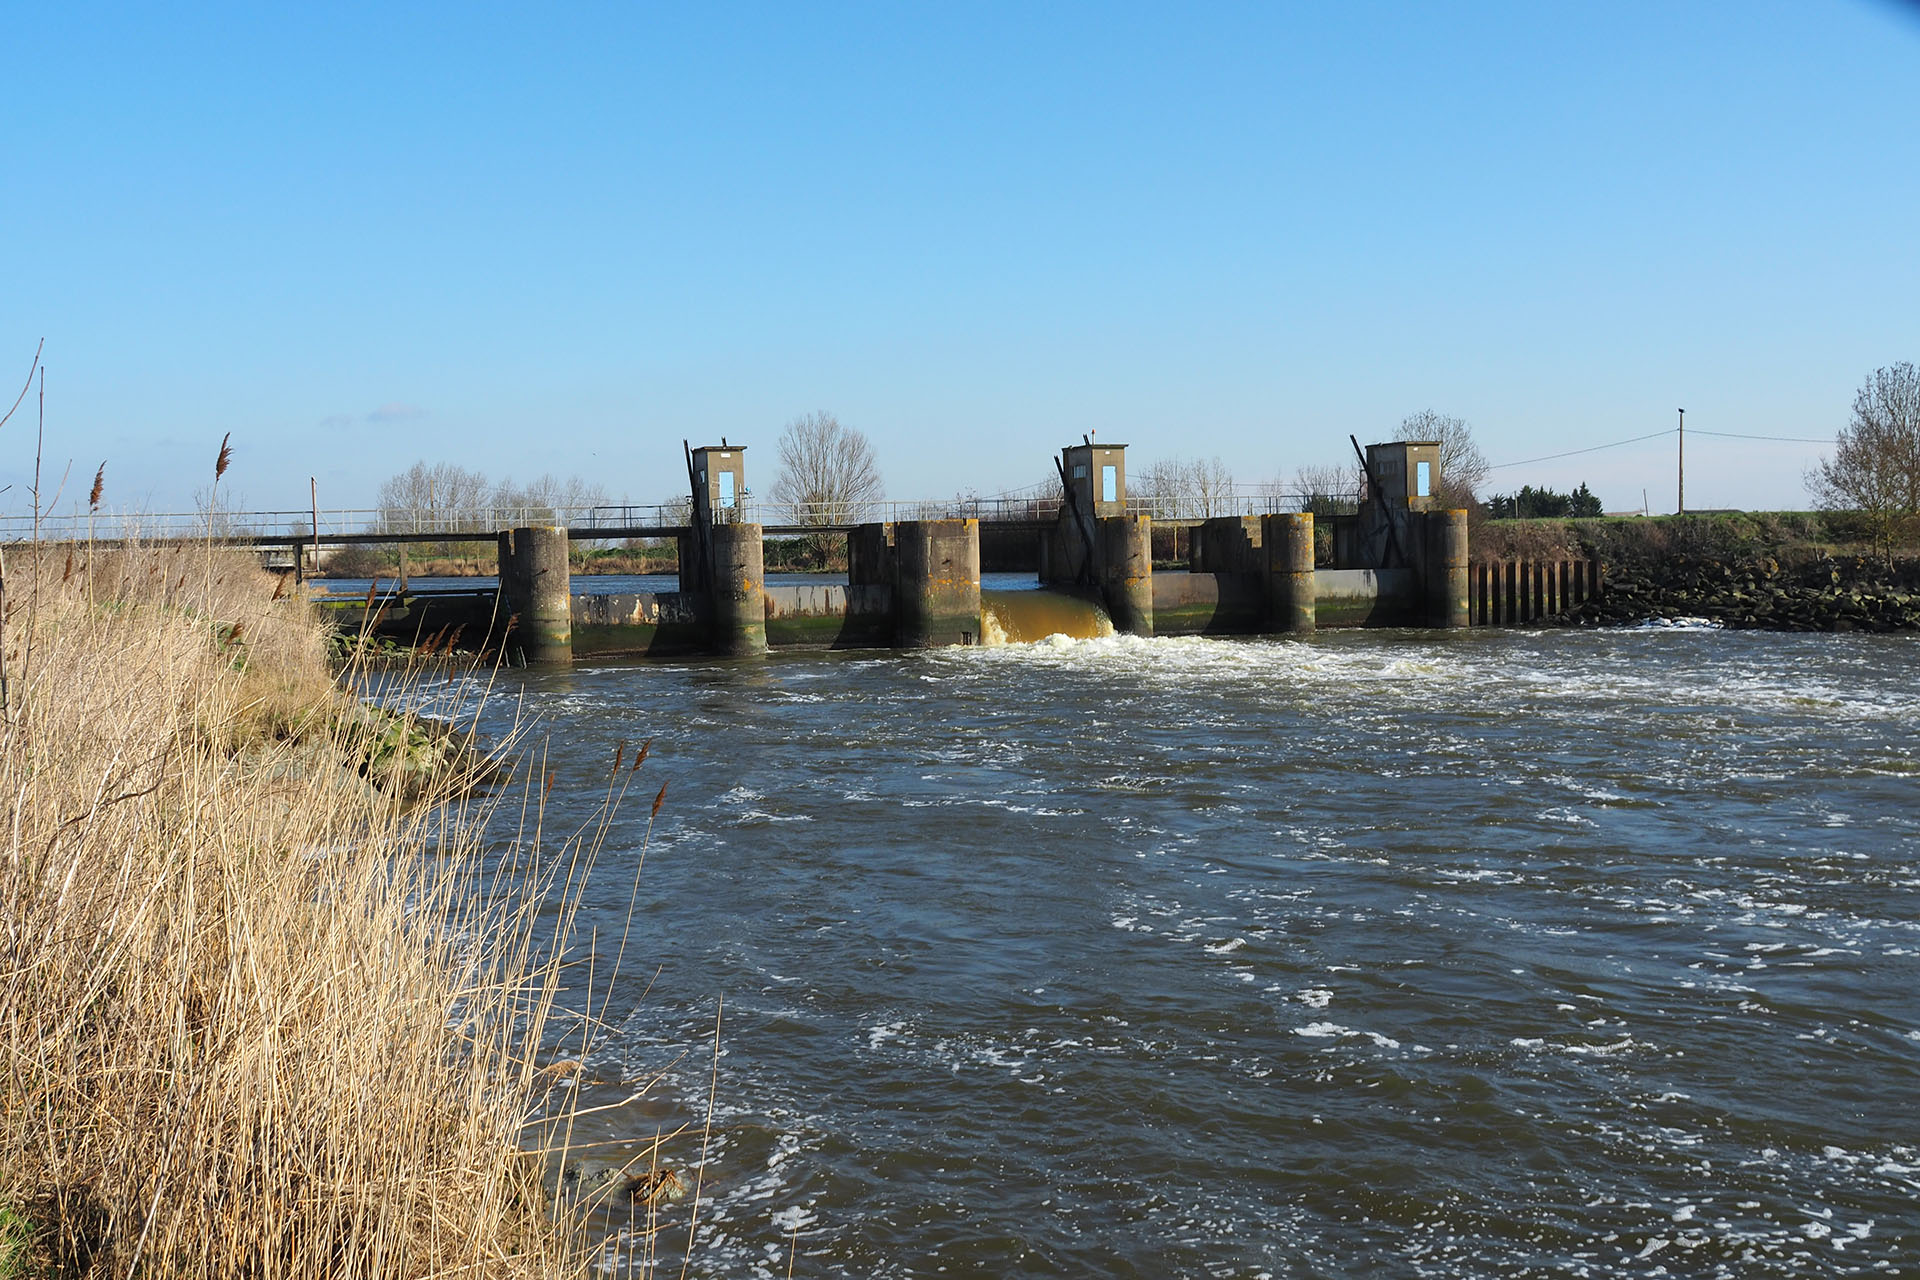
[(1544, 504)]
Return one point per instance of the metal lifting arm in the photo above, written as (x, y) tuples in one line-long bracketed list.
[(699, 516), (1089, 574)]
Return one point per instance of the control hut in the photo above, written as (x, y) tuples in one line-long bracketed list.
[(1402, 478), (1094, 477), (719, 483), (717, 477), (1097, 476)]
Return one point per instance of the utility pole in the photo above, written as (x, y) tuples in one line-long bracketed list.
[(1683, 462), (299, 561)]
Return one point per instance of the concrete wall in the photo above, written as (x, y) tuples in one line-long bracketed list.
[(1214, 604), (659, 624), (826, 616), (829, 616), (1368, 598), (1209, 604)]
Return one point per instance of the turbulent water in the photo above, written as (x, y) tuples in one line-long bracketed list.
[(1585, 953)]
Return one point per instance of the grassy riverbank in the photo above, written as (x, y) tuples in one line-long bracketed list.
[(1792, 537), (1779, 570), (256, 1015)]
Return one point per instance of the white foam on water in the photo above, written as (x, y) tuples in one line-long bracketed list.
[(794, 1219), (1681, 623), (1577, 887), (1322, 1030), (1611, 1049)]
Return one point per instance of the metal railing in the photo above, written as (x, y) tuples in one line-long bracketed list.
[(477, 522), (481, 522)]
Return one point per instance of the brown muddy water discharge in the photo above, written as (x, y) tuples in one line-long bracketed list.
[(1583, 953)]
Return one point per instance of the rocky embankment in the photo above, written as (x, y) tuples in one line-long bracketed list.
[(369, 755), (1829, 593)]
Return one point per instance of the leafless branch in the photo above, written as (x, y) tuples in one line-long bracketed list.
[(23, 390)]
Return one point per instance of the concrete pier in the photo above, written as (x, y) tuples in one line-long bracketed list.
[(1446, 569), (1126, 564), (1292, 586), (737, 591), (936, 590), (536, 592)]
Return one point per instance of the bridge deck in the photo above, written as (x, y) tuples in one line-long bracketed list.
[(591, 533)]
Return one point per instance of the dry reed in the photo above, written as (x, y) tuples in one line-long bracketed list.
[(257, 1016)]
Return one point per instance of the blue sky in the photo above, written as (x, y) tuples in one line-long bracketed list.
[(562, 238)]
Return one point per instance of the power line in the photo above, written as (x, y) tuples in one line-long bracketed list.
[(1734, 435), (1725, 435), (1651, 435)]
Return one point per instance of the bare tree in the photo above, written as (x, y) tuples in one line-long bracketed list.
[(1328, 491), (1212, 487), (549, 497), (219, 510), (827, 471), (1162, 485), (1179, 489), (441, 496), (1875, 468), (1463, 468)]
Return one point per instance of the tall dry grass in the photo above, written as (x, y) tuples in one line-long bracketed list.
[(257, 1017)]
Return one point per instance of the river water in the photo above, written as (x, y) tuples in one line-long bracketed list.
[(1589, 953)]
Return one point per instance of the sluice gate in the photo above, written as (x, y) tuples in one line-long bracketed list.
[(1400, 560), (1021, 617)]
